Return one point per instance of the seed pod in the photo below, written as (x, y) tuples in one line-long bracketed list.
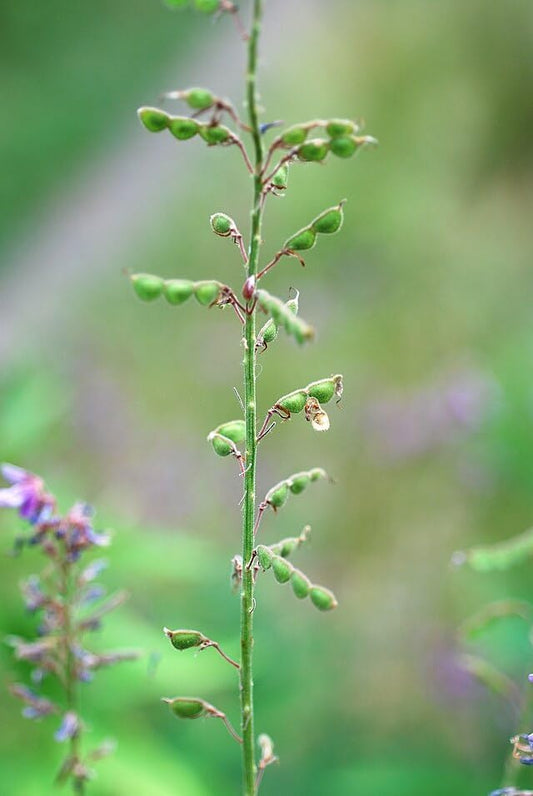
[(344, 146), (298, 482), (264, 556), (222, 224), (207, 6), (268, 333), (182, 127), (286, 546), (184, 639), (292, 304), (278, 495), (301, 585), (313, 151), (281, 178), (302, 240), (221, 445), (329, 221), (294, 402), (153, 119), (177, 291), (235, 430), (294, 135), (323, 598), (282, 569), (198, 98), (316, 473), (187, 707), (340, 127), (206, 292), (279, 311), (302, 332), (147, 286), (322, 390), (215, 134)]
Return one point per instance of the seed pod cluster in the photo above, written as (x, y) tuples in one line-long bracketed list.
[(277, 496), (268, 333), (183, 127), (283, 315), (207, 292), (225, 437), (327, 223), (342, 141), (322, 391), (284, 571)]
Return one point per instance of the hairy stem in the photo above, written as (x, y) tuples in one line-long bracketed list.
[(249, 366)]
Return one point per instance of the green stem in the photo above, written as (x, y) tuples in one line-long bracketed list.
[(249, 367)]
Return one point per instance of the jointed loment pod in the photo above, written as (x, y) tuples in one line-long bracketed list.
[(260, 316)]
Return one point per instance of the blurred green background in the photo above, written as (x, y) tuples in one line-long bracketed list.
[(423, 302)]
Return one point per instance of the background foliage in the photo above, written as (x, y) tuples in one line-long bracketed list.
[(424, 300)]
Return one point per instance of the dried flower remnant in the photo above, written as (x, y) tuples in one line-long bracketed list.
[(69, 604)]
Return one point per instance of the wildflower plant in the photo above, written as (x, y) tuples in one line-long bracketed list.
[(70, 605), (499, 557), (215, 121)]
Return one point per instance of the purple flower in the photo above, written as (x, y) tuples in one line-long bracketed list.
[(69, 727), (26, 493), (36, 706)]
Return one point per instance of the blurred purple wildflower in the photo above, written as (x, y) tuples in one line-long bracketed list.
[(26, 493), (406, 426), (69, 727), (36, 706)]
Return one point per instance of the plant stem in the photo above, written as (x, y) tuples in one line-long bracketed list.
[(71, 696), (249, 366)]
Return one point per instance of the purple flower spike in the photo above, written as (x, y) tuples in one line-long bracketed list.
[(26, 493), (69, 727), (530, 678)]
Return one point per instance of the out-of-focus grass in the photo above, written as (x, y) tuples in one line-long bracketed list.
[(425, 289)]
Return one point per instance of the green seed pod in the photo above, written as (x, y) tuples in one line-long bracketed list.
[(323, 598), (294, 135), (298, 482), (235, 430), (322, 390), (313, 151), (184, 639), (292, 304), (329, 221), (187, 707), (282, 569), (206, 292), (269, 332), (340, 127), (316, 473), (207, 6), (147, 287), (294, 402), (264, 556), (221, 446), (278, 495), (215, 134), (302, 240), (302, 332), (221, 224), (177, 291), (280, 179), (198, 98), (182, 127), (344, 146), (153, 119), (286, 546), (301, 585)]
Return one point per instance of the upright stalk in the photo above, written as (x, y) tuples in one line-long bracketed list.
[(249, 366)]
